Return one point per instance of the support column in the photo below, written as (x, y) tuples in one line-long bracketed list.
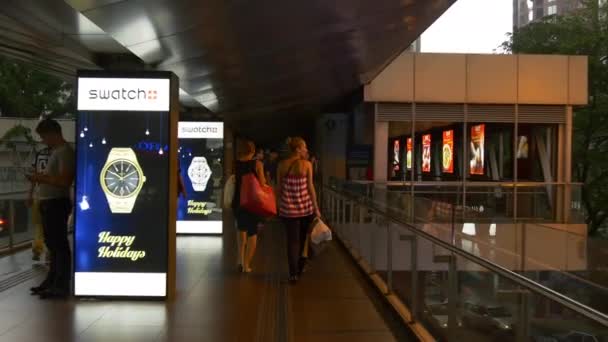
[(568, 164), (380, 151)]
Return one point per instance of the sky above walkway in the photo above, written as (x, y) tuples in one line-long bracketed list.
[(470, 26)]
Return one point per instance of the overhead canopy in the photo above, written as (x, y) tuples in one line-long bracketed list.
[(238, 58)]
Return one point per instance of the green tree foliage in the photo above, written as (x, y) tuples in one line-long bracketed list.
[(582, 32), (29, 93)]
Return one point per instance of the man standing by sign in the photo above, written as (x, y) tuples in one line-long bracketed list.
[(55, 207)]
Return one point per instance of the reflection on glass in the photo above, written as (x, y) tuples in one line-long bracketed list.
[(469, 229)]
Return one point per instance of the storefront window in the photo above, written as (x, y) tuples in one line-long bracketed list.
[(438, 150), (399, 133), (536, 152), (492, 156), (490, 152), (536, 162)]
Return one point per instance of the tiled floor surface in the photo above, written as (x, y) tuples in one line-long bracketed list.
[(332, 302)]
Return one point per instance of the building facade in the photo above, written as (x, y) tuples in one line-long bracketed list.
[(527, 11)]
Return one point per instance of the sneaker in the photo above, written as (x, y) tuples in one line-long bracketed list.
[(37, 289), (53, 294)]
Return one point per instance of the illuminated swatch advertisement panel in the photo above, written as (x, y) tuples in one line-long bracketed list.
[(201, 153), (122, 190)]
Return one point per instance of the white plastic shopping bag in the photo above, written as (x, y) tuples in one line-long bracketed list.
[(320, 232), (229, 191)]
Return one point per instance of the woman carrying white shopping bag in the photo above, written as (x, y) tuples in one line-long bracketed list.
[(297, 202)]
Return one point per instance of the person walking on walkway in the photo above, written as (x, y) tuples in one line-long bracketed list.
[(270, 166), (246, 222), (55, 207), (298, 204)]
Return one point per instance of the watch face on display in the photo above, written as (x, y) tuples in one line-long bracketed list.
[(121, 178), (199, 173)]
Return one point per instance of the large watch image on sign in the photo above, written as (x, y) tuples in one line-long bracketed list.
[(199, 173), (121, 180)]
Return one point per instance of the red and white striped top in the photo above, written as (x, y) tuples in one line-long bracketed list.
[(295, 199)]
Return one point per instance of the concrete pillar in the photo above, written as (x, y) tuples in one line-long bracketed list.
[(380, 151)]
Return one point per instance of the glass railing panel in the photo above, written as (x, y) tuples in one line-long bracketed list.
[(23, 226), (492, 204), (379, 197), (15, 220), (4, 237), (487, 307), (577, 209), (409, 255), (549, 321), (536, 203), (354, 228), (559, 256), (498, 243), (381, 238), (349, 231), (368, 240)]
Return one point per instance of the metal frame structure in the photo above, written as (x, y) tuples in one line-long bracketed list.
[(335, 217)]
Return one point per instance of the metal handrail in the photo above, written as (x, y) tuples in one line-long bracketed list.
[(537, 288)]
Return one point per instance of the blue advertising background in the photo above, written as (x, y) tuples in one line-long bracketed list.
[(98, 133)]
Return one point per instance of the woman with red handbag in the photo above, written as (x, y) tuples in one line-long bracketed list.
[(246, 221), (297, 202)]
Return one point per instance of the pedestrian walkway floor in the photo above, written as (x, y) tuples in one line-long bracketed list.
[(332, 302)]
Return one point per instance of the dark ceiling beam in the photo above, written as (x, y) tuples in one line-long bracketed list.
[(48, 37)]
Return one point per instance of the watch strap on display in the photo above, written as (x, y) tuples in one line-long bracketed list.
[(122, 206), (198, 186), (122, 153)]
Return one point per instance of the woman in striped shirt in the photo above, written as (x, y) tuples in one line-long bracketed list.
[(297, 202)]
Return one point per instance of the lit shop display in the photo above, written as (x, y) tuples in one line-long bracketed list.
[(447, 155), (408, 154), (396, 160), (426, 153), (476, 161), (122, 192), (522, 147), (201, 153)]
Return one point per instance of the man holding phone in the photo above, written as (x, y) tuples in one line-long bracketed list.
[(55, 207)]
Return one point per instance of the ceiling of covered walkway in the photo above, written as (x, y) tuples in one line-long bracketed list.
[(243, 60)]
